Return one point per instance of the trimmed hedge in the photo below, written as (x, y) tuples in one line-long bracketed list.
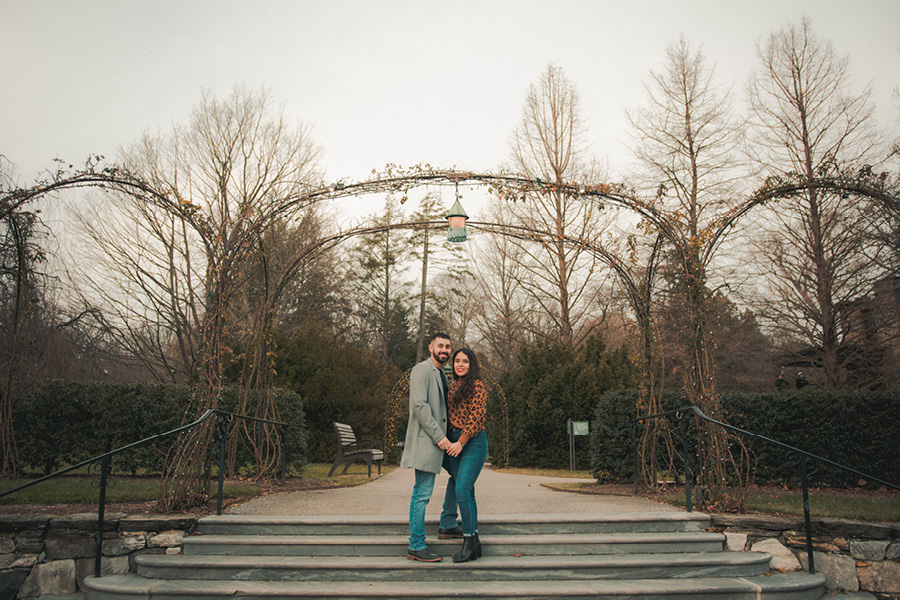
[(858, 429), (65, 422)]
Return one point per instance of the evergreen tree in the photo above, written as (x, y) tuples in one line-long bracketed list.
[(380, 297), (555, 383)]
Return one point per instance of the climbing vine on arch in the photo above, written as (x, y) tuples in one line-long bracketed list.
[(231, 245)]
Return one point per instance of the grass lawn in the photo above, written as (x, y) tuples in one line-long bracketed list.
[(356, 474), (842, 504), (546, 472), (79, 489), (863, 505), (82, 490)]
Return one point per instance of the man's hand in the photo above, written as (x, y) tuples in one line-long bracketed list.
[(444, 444)]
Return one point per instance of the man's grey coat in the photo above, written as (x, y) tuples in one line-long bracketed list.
[(427, 419)]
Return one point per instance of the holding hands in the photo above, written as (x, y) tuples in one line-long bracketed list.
[(454, 449), (451, 448)]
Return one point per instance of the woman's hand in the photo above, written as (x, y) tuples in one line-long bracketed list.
[(454, 449)]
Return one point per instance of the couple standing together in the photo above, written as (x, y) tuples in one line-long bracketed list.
[(446, 430)]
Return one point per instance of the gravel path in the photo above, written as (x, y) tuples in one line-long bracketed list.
[(497, 493)]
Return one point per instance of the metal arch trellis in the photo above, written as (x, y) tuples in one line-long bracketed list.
[(400, 180), (392, 410), (394, 180)]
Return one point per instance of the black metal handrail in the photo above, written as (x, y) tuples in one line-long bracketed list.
[(225, 421), (682, 415)]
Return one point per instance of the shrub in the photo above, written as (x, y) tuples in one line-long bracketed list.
[(858, 429), (612, 433), (853, 428), (554, 384), (337, 381), (65, 422)]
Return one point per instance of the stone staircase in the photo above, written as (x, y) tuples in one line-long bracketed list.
[(628, 555)]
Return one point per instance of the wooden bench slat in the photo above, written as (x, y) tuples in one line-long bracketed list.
[(348, 451)]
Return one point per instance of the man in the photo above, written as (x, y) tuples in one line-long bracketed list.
[(426, 441)]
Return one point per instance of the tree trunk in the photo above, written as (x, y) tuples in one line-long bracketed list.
[(185, 481), (420, 342), (7, 434)]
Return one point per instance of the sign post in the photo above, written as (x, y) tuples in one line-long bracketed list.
[(575, 428)]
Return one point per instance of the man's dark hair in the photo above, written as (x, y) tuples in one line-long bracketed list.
[(440, 334)]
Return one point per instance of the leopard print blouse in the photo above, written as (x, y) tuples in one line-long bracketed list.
[(469, 414)]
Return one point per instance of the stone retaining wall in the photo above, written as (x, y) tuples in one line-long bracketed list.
[(42, 555), (853, 555), (50, 556)]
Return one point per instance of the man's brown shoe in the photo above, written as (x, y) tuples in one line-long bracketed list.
[(424, 555)]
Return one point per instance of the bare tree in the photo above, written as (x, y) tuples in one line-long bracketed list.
[(459, 305), (807, 124), (685, 138), (231, 173), (503, 314), (145, 267), (548, 146)]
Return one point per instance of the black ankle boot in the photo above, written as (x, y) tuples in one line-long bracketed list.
[(477, 546), (470, 549)]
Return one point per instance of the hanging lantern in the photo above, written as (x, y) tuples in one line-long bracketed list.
[(457, 218)]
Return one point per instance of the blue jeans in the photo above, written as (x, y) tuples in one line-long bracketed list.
[(421, 494), (464, 470)]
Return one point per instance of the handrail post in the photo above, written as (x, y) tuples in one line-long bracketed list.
[(101, 512), (682, 424), (804, 480), (224, 427), (283, 431), (634, 429)]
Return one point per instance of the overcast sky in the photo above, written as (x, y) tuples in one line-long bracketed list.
[(405, 82)]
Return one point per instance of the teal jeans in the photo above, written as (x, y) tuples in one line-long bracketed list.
[(421, 494), (464, 471)]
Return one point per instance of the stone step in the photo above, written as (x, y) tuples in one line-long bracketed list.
[(492, 524), (494, 545), (496, 568), (789, 586)]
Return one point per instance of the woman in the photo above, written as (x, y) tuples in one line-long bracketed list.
[(466, 410)]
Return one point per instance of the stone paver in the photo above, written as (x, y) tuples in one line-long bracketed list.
[(497, 493)]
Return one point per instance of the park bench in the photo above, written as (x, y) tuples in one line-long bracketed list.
[(351, 450)]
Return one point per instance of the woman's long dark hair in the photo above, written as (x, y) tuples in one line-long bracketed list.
[(466, 387)]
